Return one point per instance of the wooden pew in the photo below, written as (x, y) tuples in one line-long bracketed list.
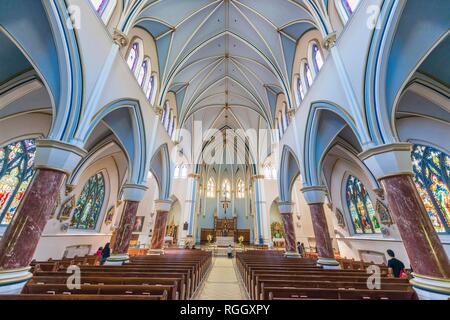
[(276, 293)]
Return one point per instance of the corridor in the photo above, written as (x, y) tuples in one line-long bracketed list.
[(222, 282)]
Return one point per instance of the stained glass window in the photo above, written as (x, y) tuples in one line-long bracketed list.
[(300, 91), (211, 188), (142, 73), (350, 6), (431, 176), (226, 189), (308, 75), (100, 5), (317, 56), (133, 56), (16, 171), (360, 206), (240, 189), (89, 204), (149, 92)]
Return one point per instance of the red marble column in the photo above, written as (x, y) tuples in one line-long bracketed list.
[(421, 241), (320, 226), (125, 230), (289, 233), (19, 243), (159, 230)]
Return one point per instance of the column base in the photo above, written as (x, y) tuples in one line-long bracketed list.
[(429, 288), (12, 281), (328, 263), (292, 255), (155, 252), (117, 260)]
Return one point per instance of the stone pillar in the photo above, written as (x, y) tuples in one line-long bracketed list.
[(315, 197), (286, 209), (391, 165), (53, 161), (162, 208), (262, 212), (132, 195), (189, 209)]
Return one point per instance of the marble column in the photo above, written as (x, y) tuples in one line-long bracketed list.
[(391, 165), (19, 243), (286, 209), (53, 162), (162, 208), (123, 234), (132, 195), (315, 197)]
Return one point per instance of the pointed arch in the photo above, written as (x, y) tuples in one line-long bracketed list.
[(325, 122), (119, 117), (289, 171), (161, 168)]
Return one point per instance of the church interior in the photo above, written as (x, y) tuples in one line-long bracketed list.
[(224, 149)]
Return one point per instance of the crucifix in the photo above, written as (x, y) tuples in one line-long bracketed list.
[(225, 205)]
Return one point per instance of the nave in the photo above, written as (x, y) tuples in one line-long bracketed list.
[(147, 136)]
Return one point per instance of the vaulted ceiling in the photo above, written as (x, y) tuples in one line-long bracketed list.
[(226, 60)]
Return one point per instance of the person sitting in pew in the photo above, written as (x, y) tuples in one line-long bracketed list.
[(105, 253), (397, 267)]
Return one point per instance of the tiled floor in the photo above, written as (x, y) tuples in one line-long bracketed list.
[(222, 282)]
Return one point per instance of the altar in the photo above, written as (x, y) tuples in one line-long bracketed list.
[(224, 241)]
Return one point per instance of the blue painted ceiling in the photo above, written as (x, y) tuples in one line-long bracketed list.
[(226, 53), (13, 61)]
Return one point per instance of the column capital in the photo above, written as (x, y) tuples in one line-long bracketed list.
[(58, 156), (133, 192), (120, 38), (158, 111), (285, 207), (194, 176), (314, 194), (163, 205), (388, 160), (329, 41)]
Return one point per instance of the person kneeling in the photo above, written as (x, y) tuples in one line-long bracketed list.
[(230, 251)]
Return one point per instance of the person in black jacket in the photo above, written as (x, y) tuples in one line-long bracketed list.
[(106, 252), (394, 264)]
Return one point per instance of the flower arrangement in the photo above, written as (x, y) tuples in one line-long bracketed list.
[(241, 240), (209, 237)]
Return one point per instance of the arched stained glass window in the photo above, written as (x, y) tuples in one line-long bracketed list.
[(133, 56), (183, 171), (142, 73), (350, 6), (226, 189), (164, 115), (149, 91), (240, 189), (361, 209), (100, 5), (300, 91), (317, 57), (308, 75), (211, 188), (432, 177), (89, 204), (16, 170), (176, 173), (286, 116)]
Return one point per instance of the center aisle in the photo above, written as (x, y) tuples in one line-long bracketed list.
[(222, 282)]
